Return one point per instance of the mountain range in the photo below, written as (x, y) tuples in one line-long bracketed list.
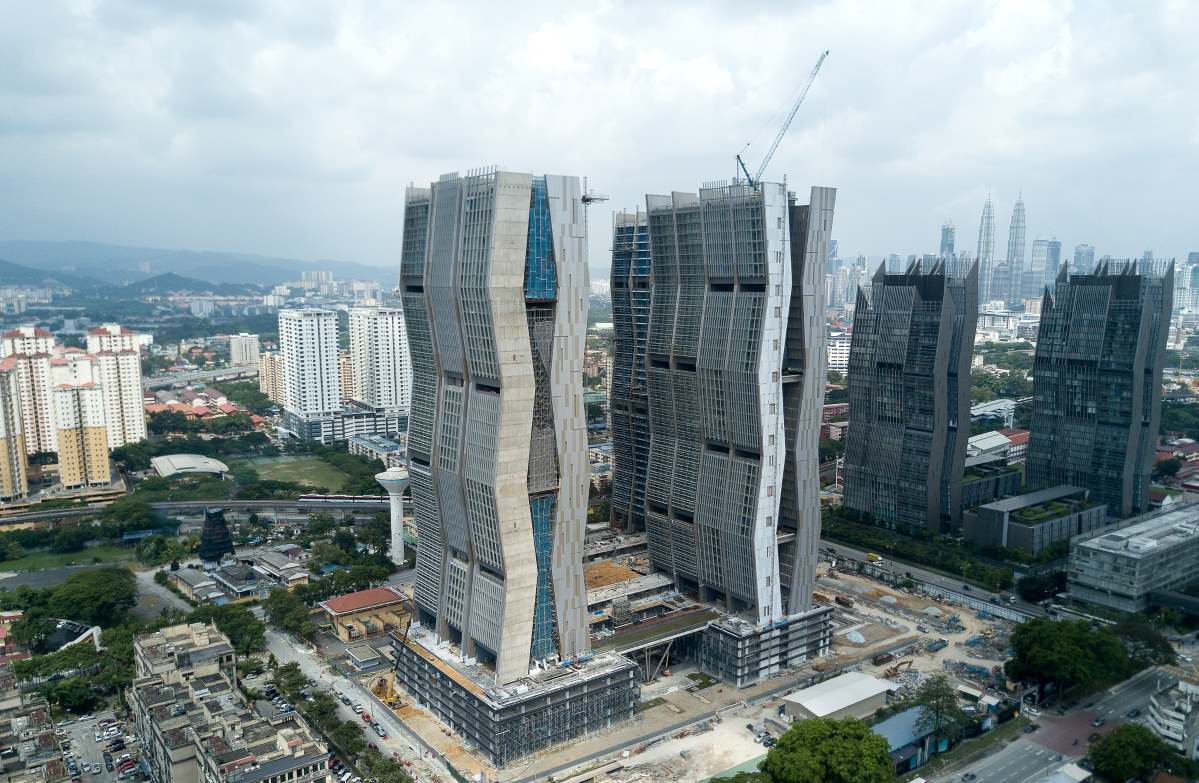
[(119, 265)]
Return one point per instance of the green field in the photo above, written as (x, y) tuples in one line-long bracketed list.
[(36, 561), (309, 471)]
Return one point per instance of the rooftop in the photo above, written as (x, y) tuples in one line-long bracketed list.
[(900, 729), (840, 692), (1029, 499), (1155, 533), (170, 464), (376, 442), (373, 598)]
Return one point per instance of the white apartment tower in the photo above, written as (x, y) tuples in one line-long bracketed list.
[(382, 374), (243, 350), (117, 353), (29, 340), (311, 388), (81, 434)]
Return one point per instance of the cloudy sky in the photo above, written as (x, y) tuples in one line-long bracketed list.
[(291, 128)]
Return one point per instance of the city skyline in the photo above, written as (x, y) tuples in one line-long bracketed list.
[(226, 151)]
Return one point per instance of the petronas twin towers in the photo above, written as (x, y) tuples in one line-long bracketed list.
[(1001, 279)]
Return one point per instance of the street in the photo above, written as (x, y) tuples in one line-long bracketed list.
[(1021, 761), (399, 740), (933, 578)]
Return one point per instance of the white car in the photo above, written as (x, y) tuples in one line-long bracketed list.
[(358, 708)]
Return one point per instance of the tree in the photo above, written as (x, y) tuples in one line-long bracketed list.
[(289, 679), (237, 622), (286, 610), (941, 716), (1145, 644), (347, 736), (1167, 467), (829, 751), (73, 694), (344, 540), (101, 597), (1131, 751), (1039, 587), (1068, 652)]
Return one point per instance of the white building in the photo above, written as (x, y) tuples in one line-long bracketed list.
[(1174, 714), (838, 352), (37, 402), (114, 337), (120, 377), (379, 366), (243, 350), (27, 340), (201, 308), (311, 389)]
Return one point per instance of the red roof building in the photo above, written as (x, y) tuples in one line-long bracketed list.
[(363, 600)]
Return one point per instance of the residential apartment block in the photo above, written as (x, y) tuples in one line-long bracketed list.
[(14, 468), (311, 391), (270, 376), (909, 397), (1097, 380), (382, 374), (243, 350), (81, 435)]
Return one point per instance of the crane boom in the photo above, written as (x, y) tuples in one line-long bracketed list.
[(787, 124)]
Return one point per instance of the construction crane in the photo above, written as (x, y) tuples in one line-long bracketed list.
[(783, 130)]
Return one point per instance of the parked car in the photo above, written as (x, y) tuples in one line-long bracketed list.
[(1134, 713), (357, 707), (967, 588), (366, 717), (1098, 722)]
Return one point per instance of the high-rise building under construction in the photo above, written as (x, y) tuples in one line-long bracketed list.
[(734, 366), (494, 284)]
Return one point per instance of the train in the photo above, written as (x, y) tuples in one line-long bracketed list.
[(340, 500)]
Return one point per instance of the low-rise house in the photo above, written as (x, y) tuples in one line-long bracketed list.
[(1035, 520), (364, 613)]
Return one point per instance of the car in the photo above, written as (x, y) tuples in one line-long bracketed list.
[(366, 717), (95, 769), (87, 717), (770, 742), (967, 588), (346, 776), (344, 699), (107, 721), (995, 600), (969, 776), (1098, 722), (922, 628), (108, 766), (1134, 713), (750, 727), (380, 732), (97, 737), (357, 707), (67, 722), (124, 765)]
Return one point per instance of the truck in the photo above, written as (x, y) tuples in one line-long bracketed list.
[(845, 601), (873, 558), (939, 644), (882, 658)]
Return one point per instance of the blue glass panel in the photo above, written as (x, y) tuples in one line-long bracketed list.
[(541, 274), (542, 508)]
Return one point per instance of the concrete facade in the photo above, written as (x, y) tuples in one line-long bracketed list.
[(909, 397), (494, 284), (379, 366), (1034, 520), (14, 467), (311, 393), (1121, 569), (1097, 381)]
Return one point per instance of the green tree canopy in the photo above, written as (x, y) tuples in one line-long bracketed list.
[(829, 751), (1069, 653), (942, 716), (244, 630), (1131, 751)]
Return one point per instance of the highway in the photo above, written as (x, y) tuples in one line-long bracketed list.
[(199, 376), (1022, 761), (952, 585)]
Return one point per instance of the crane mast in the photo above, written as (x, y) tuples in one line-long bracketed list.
[(786, 124)]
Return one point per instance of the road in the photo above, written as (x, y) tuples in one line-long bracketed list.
[(944, 581), (399, 739), (186, 378), (1021, 761)]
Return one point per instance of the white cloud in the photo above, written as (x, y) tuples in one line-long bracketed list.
[(286, 128)]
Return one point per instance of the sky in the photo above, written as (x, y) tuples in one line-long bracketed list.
[(292, 129)]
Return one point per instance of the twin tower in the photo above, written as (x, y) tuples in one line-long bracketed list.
[(718, 381)]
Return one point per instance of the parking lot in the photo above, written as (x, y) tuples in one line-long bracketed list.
[(86, 754)]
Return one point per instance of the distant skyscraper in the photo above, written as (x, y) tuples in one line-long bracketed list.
[(270, 376), (311, 388), (1097, 384), (243, 350), (379, 358), (1084, 260), (947, 236), (1015, 252), (1053, 262), (986, 249), (909, 397), (1034, 279), (630, 406)]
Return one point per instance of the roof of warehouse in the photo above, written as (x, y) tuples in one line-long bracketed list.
[(840, 692)]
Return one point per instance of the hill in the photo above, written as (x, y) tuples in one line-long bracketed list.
[(121, 265), (16, 274), (171, 283)]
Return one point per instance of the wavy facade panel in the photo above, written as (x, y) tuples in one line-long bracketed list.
[(495, 286)]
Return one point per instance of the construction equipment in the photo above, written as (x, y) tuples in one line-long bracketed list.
[(897, 668), (783, 130)]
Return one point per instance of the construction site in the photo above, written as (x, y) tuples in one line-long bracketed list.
[(687, 725)]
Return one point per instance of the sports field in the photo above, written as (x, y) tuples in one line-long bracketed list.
[(309, 471)]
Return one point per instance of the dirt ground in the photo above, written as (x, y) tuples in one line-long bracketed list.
[(602, 573), (693, 758)]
